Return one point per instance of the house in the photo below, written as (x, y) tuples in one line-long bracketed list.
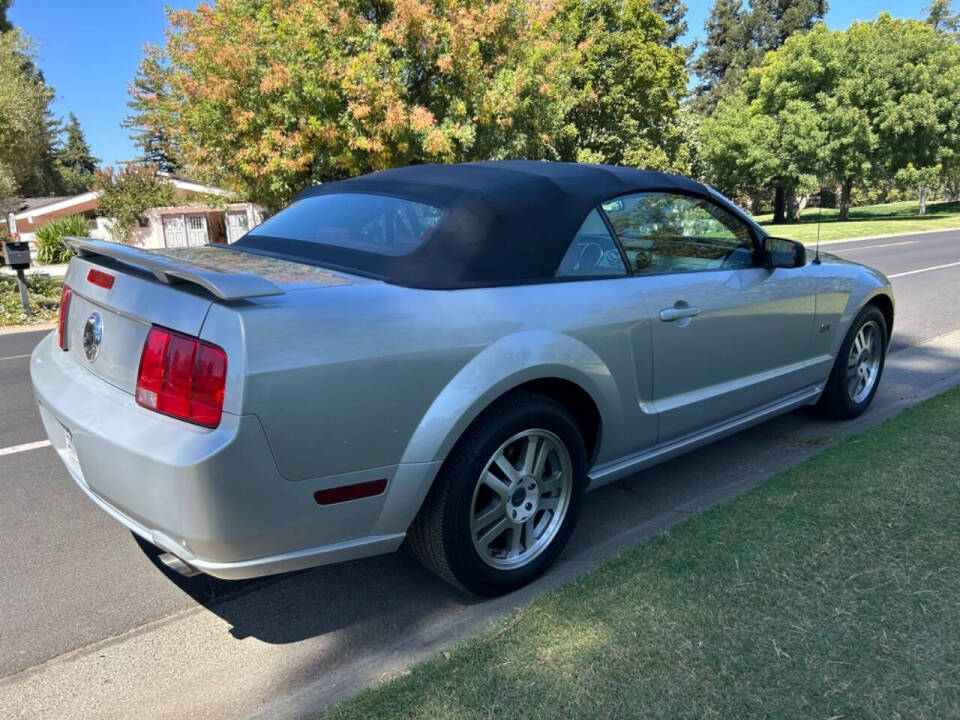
[(186, 224)]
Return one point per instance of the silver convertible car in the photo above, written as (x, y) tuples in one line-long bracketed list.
[(448, 354)]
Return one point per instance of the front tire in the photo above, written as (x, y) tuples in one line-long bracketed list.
[(506, 499), (856, 371)]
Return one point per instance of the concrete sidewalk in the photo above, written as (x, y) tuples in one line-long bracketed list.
[(297, 645)]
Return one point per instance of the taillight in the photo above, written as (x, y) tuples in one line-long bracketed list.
[(182, 376), (62, 318)]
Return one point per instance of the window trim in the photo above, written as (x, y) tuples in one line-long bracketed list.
[(752, 228)]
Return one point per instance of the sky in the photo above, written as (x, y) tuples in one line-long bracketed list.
[(89, 52)]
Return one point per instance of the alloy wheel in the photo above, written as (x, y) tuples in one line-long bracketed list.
[(520, 499)]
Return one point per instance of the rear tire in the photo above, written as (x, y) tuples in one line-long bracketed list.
[(858, 367), (507, 498)]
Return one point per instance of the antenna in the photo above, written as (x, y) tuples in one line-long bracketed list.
[(816, 258)]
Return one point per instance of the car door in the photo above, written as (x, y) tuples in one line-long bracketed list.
[(728, 336)]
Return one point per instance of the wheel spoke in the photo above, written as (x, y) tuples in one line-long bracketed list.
[(528, 536), (549, 483), (545, 448), (496, 484), (483, 519), (514, 547), (507, 468), (530, 456), (549, 503), (493, 533)]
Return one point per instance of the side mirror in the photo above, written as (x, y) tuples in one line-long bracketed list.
[(783, 253)]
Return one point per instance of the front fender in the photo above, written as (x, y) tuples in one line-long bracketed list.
[(501, 367), (866, 289)]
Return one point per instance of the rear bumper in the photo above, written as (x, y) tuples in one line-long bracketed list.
[(214, 498)]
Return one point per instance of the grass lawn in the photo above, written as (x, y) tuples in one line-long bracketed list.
[(44, 293), (889, 219), (832, 591)]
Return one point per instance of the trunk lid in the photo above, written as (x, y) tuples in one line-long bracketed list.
[(105, 328)]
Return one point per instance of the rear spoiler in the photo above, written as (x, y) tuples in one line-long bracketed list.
[(225, 285)]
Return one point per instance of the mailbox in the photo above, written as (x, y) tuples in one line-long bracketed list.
[(17, 254)]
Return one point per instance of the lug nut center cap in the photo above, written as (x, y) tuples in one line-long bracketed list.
[(523, 500)]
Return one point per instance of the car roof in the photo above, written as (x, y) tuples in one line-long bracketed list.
[(504, 222)]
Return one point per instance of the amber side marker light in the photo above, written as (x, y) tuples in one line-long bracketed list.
[(343, 493)]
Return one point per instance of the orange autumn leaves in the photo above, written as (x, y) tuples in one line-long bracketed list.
[(267, 96)]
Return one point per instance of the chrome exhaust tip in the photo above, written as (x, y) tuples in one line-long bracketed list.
[(177, 565)]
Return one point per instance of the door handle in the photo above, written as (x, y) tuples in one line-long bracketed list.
[(678, 313)]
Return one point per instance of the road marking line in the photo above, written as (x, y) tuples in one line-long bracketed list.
[(923, 270), (13, 449), (14, 357), (871, 247)]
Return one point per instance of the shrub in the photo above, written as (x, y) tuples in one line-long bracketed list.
[(44, 294), (49, 238)]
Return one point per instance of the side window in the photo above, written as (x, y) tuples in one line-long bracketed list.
[(593, 252), (665, 233)]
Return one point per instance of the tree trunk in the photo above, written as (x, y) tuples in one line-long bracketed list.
[(755, 201), (845, 190), (779, 204), (795, 205), (922, 190)]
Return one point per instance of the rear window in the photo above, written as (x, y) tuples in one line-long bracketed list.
[(359, 221)]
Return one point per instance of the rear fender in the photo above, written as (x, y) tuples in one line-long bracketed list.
[(501, 367)]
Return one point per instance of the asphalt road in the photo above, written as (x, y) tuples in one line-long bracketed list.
[(71, 577)]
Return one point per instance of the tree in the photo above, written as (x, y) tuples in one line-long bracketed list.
[(627, 84), (127, 193), (674, 14), (266, 97), (923, 180), (152, 135), (844, 107), (941, 17), (27, 127), (5, 23), (75, 162), (738, 37)]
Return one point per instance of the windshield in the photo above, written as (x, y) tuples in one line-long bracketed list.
[(370, 223)]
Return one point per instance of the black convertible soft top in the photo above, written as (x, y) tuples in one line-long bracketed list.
[(504, 223)]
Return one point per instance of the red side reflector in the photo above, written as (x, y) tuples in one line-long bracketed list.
[(350, 492), (65, 293), (100, 279), (182, 376)]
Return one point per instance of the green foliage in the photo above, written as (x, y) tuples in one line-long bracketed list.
[(49, 238), (127, 193), (44, 293), (628, 86), (75, 162), (266, 97), (941, 17), (674, 14), (922, 179), (152, 127), (840, 107), (738, 37), (27, 130)]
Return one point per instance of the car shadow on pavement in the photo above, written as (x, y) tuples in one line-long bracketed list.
[(390, 591)]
